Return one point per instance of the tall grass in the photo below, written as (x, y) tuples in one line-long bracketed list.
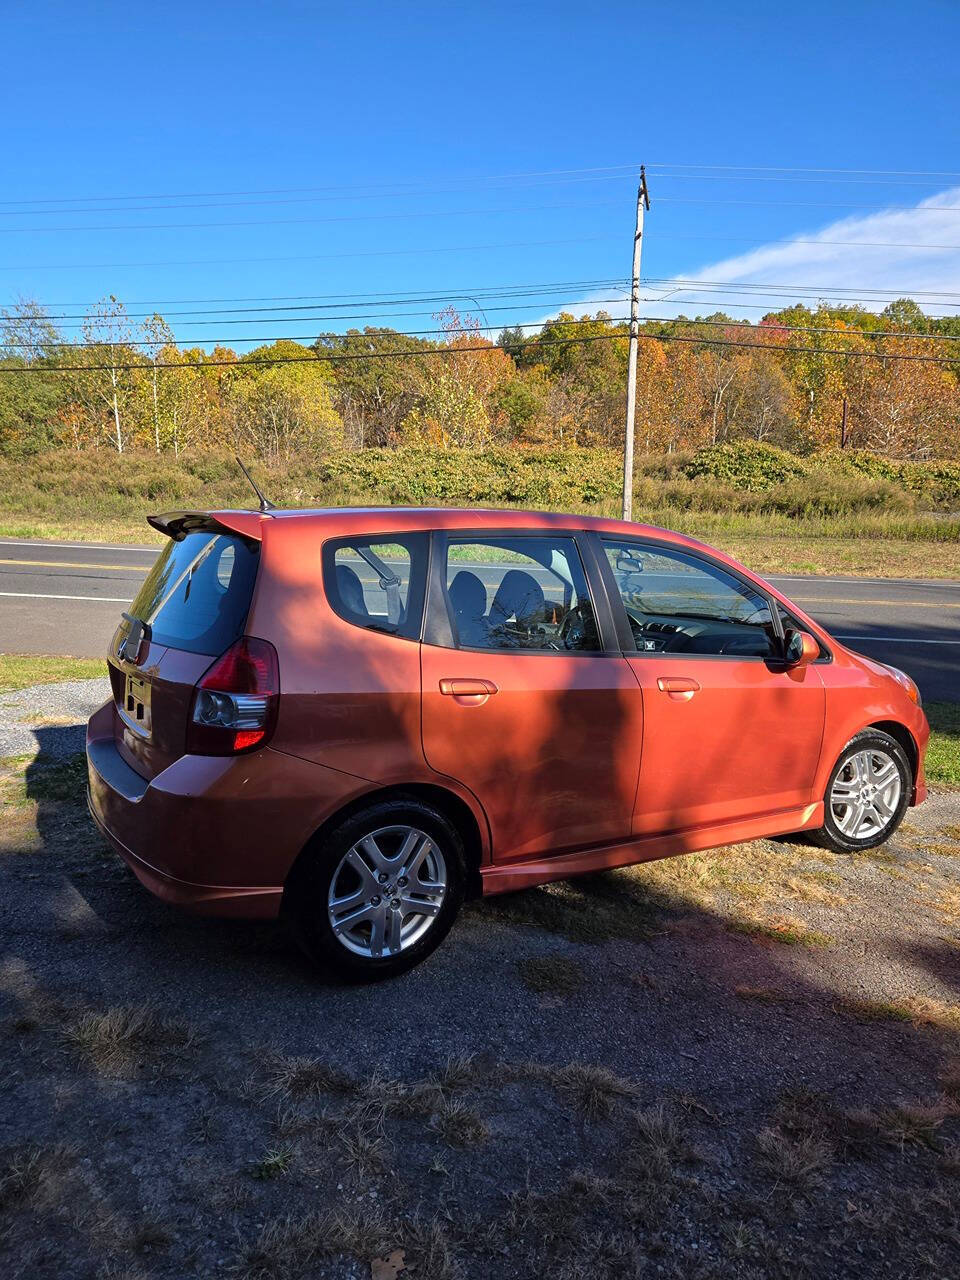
[(747, 491)]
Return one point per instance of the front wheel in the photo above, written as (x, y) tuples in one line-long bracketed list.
[(380, 892), (867, 794)]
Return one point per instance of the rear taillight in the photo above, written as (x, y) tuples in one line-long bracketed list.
[(235, 703)]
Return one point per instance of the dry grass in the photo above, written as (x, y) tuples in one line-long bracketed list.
[(920, 1011), (122, 1041), (656, 1143), (300, 1078), (814, 887), (874, 1010), (763, 995), (294, 1246), (30, 1169), (458, 1125), (361, 1133), (594, 1089), (950, 1079), (798, 1160), (938, 849), (786, 929), (946, 903), (905, 1124), (551, 975)]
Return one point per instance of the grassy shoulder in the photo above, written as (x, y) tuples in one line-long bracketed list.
[(21, 671), (775, 512), (943, 753), (800, 550)]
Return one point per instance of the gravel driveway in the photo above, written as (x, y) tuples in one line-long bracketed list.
[(745, 1063)]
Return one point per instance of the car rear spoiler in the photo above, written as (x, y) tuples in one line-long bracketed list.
[(177, 524)]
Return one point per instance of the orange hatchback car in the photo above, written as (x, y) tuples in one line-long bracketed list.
[(353, 718)]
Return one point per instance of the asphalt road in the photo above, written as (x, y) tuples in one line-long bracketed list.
[(65, 598)]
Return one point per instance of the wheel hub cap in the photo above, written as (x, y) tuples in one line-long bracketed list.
[(866, 794), (387, 891)]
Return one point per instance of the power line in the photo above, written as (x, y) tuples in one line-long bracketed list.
[(629, 170), (732, 324), (625, 170), (743, 177), (493, 293), (816, 289), (764, 168), (787, 242), (730, 296), (291, 200), (302, 222), (342, 357), (813, 204), (304, 257), (361, 315)]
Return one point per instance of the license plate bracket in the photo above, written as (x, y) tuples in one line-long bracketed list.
[(136, 705)]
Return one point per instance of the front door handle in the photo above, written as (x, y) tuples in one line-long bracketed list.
[(469, 692), (679, 688)]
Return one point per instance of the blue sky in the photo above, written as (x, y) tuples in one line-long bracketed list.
[(377, 148)]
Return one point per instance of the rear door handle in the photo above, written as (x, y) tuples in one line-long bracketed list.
[(467, 687), (679, 688)]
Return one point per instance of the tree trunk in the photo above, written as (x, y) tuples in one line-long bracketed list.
[(156, 412)]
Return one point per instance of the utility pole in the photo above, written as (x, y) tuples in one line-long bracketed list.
[(643, 202), (843, 425)]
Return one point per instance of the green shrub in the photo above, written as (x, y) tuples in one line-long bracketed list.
[(745, 465)]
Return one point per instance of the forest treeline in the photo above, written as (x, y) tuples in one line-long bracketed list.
[(123, 383)]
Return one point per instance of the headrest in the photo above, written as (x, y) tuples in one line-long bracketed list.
[(519, 595), (350, 590), (468, 595)]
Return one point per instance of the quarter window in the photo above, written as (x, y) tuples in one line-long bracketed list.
[(525, 593), (678, 603), (378, 582)]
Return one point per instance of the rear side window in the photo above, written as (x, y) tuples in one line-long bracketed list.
[(521, 593), (197, 595), (377, 582)]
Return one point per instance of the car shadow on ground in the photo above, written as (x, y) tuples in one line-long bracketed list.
[(594, 1078)]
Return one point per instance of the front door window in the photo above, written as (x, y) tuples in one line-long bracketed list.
[(679, 604)]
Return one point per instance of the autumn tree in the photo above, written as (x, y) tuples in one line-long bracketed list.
[(30, 396), (283, 402), (458, 397), (101, 381), (374, 392), (908, 407)]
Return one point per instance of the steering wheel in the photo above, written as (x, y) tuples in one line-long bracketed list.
[(573, 629)]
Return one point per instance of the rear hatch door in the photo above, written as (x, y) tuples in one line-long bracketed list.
[(192, 606)]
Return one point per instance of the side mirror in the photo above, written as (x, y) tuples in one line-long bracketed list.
[(629, 562), (800, 648)]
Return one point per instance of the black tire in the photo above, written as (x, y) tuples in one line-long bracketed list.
[(305, 897), (830, 836)]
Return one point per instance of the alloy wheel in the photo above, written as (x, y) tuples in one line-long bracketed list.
[(866, 794), (387, 891)]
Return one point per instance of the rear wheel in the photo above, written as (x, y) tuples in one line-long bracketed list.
[(867, 794), (376, 895)]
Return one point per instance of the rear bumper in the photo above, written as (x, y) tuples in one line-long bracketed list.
[(217, 835), (207, 899)]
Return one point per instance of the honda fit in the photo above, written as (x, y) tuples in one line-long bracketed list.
[(354, 718)]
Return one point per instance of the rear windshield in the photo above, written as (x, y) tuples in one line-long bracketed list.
[(197, 595)]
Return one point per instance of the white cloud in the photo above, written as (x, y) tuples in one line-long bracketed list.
[(895, 253)]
